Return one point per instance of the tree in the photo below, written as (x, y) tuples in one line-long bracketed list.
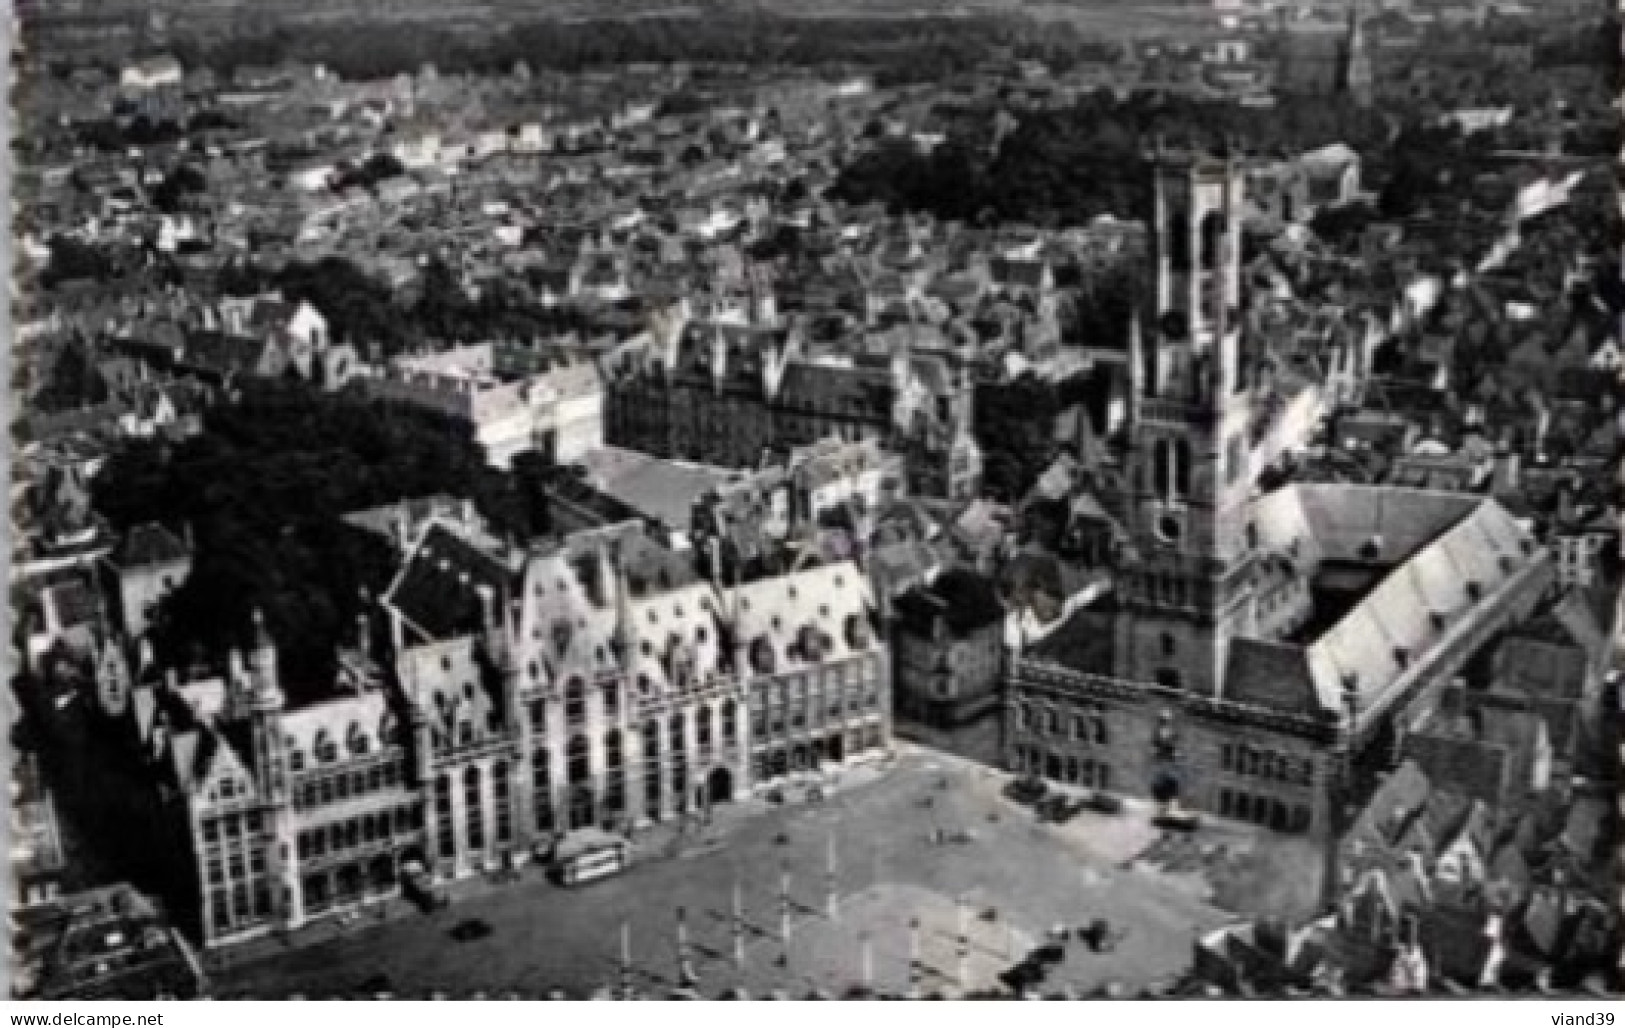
[(265, 488), (72, 382)]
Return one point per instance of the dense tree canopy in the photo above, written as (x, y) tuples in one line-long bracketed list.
[(1067, 167), (264, 489), (1015, 426), (898, 49)]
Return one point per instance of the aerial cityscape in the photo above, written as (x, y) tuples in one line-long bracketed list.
[(881, 499)]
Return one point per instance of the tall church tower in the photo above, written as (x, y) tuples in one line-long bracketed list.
[(1358, 77), (1186, 586)]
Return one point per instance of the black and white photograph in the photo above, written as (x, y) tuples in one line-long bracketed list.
[(832, 500)]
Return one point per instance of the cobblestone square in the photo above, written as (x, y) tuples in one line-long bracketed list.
[(1014, 877)]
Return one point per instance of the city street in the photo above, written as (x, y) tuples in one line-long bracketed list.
[(1015, 877)]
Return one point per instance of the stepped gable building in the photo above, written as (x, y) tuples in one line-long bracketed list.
[(512, 697), (1245, 633), (599, 683)]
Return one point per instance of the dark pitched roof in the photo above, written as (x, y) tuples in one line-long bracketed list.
[(149, 545), (965, 600), (1270, 675), (1476, 769), (1084, 643), (438, 590)]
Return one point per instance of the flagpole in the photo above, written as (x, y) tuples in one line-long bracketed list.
[(914, 958), (626, 961), (738, 928), (685, 966), (784, 904), (830, 875), (964, 949)]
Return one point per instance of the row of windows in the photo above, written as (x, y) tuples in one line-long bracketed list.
[(1264, 811), (1088, 727), (771, 723), (793, 688), (780, 761), (1253, 762), (359, 831), (242, 863), (318, 792), (231, 826), (474, 823), (1093, 774), (238, 906)]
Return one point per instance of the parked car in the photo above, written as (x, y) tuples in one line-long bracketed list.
[(470, 929), (1105, 802), (1178, 820), (1059, 809), (1027, 790), (419, 886)]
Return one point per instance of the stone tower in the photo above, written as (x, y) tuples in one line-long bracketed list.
[(1358, 78), (1186, 584)]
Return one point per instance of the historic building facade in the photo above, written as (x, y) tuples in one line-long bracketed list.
[(724, 393), (1248, 639)]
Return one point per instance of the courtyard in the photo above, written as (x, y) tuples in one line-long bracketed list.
[(930, 839)]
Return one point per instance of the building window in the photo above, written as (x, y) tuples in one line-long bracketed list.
[(501, 797), (1167, 645), (475, 808), (703, 728), (615, 772), (1168, 678), (578, 761), (538, 716), (541, 783), (575, 703), (730, 727), (446, 830), (679, 731), (612, 700)]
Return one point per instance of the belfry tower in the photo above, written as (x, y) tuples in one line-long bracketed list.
[(1186, 587)]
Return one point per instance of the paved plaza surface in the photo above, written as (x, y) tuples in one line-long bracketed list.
[(1008, 881)]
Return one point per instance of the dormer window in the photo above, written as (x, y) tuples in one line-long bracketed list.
[(761, 656)]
